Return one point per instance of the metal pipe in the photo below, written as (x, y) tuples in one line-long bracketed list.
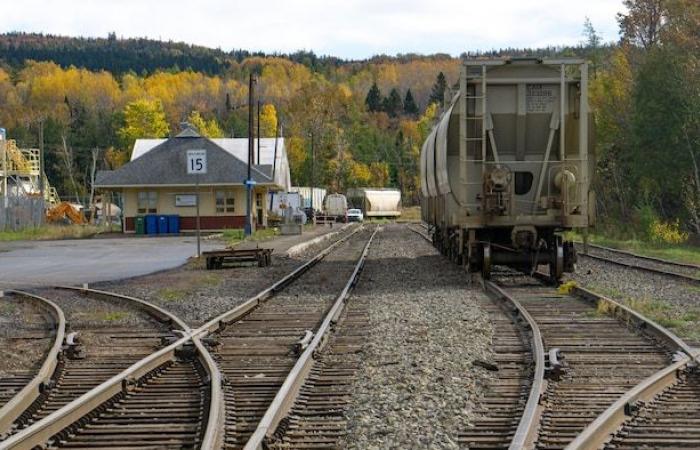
[(562, 113), (258, 160), (274, 158), (583, 135)]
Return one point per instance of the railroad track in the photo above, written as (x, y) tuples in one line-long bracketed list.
[(506, 416), (677, 270), (267, 355), (19, 389), (614, 378), (151, 397), (122, 384)]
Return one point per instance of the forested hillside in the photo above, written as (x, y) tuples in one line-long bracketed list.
[(367, 118)]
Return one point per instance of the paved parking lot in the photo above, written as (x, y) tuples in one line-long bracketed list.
[(47, 263)]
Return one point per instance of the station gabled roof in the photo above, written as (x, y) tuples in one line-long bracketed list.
[(166, 165), (272, 152)]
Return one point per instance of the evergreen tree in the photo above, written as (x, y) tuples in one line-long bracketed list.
[(374, 99), (409, 104), (438, 93), (592, 39), (392, 104)]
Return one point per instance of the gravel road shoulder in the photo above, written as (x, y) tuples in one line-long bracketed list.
[(417, 386)]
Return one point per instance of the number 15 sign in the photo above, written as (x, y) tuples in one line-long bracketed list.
[(196, 162)]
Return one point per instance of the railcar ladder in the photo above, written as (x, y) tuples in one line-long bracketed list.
[(478, 118)]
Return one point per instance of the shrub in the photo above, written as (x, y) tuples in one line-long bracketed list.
[(666, 232)]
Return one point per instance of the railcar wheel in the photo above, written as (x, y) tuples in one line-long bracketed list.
[(486, 261), (556, 265)]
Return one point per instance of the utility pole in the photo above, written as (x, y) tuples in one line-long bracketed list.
[(313, 174), (42, 187), (258, 160), (251, 144)]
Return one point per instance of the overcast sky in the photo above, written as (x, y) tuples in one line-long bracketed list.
[(348, 28)]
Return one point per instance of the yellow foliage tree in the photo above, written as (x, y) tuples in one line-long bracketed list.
[(359, 175), (206, 128), (380, 173), (268, 120), (143, 119)]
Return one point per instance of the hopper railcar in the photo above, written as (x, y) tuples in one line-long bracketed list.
[(507, 168)]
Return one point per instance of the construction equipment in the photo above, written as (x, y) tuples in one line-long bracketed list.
[(64, 212), (20, 172)]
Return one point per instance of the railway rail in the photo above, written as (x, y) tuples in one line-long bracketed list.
[(681, 271), (614, 379), (575, 370), (170, 397), (508, 414), (156, 380), (19, 391)]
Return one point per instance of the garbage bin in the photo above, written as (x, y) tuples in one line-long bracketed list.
[(162, 224), (140, 225), (174, 224), (151, 224)]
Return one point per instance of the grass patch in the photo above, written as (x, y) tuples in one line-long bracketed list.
[(683, 323), (114, 316), (193, 282), (236, 236), (410, 214), (53, 232), (171, 294), (680, 253)]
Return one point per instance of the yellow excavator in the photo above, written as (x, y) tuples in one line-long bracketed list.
[(65, 212)]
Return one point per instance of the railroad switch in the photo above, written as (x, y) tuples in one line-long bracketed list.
[(553, 365), (167, 340), (210, 342), (304, 342), (73, 349), (187, 352)]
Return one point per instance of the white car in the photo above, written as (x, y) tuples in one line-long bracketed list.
[(355, 215)]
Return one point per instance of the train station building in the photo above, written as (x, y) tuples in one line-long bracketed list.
[(156, 182)]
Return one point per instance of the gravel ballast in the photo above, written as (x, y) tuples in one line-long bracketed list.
[(417, 386), (673, 303), (26, 335), (197, 295)]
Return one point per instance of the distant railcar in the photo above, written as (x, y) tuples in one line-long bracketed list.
[(335, 205), (508, 166), (376, 202)]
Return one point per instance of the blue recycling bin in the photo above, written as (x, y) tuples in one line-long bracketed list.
[(173, 223), (162, 224), (151, 224)]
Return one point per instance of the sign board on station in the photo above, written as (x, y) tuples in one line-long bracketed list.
[(196, 162)]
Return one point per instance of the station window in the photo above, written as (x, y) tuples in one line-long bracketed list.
[(523, 182), (225, 202), (147, 202), (258, 200)]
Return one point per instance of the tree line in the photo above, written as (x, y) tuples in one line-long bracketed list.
[(367, 118)]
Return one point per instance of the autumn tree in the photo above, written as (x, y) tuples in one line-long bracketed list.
[(642, 24), (143, 119), (374, 99), (268, 120), (409, 104), (207, 128)]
